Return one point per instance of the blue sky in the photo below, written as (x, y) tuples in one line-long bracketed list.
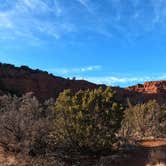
[(115, 42)]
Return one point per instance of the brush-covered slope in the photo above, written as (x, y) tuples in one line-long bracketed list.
[(19, 80)]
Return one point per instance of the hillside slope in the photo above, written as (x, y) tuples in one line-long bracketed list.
[(19, 80)]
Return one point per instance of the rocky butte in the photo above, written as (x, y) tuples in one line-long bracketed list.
[(20, 80)]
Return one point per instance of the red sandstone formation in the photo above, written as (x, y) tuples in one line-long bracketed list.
[(152, 87)]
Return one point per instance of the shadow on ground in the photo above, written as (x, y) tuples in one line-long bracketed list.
[(133, 156)]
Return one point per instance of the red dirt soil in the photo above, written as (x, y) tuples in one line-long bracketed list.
[(153, 143)]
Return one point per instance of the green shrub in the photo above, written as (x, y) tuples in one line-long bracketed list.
[(88, 120), (144, 121)]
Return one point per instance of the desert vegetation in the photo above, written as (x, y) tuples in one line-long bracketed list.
[(88, 120), (87, 123), (144, 121)]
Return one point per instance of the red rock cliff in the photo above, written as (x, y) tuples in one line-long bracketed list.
[(152, 87)]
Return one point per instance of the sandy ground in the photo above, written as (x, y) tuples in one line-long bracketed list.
[(6, 159)]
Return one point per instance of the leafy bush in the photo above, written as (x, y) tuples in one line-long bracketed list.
[(24, 124), (87, 121), (144, 121)]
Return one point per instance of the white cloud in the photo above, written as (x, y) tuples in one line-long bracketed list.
[(55, 19), (74, 70), (90, 68), (37, 5), (113, 80), (85, 4), (28, 19), (5, 21)]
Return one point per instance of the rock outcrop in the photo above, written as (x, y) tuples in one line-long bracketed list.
[(152, 87), (148, 91)]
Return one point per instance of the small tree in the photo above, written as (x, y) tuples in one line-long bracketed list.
[(87, 120), (143, 121), (24, 125), (74, 78)]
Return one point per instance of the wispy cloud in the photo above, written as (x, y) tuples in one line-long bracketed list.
[(31, 20), (86, 5), (113, 80), (73, 71), (56, 18)]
